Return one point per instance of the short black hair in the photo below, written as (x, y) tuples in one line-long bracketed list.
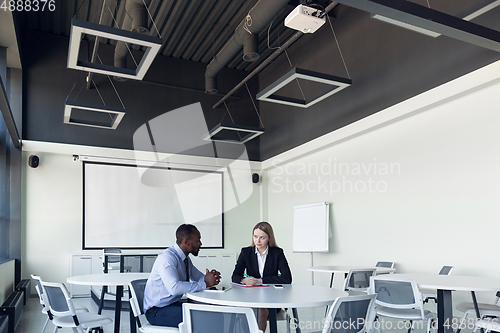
[(184, 231)]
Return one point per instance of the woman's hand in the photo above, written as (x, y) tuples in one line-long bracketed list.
[(251, 281)]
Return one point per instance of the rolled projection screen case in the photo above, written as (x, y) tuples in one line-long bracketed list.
[(311, 227)]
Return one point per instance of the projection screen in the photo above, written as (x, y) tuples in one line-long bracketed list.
[(119, 211)]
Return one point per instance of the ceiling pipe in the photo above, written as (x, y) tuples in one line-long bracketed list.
[(135, 20), (250, 50), (273, 56), (256, 20)]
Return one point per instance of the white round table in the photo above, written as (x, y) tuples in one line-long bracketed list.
[(117, 280), (445, 284), (290, 296), (450, 282), (111, 279), (346, 268)]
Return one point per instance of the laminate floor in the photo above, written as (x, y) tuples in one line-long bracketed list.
[(32, 320)]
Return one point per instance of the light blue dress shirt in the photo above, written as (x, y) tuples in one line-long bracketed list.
[(167, 281)]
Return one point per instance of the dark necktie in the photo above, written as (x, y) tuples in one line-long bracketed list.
[(187, 268)]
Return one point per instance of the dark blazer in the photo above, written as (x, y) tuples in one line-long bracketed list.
[(275, 262)]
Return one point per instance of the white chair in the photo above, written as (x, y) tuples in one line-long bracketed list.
[(357, 281), (489, 324), (485, 310), (136, 289), (428, 294), (113, 261), (351, 309), (386, 264), (111, 264), (401, 299), (217, 319), (65, 315), (45, 309)]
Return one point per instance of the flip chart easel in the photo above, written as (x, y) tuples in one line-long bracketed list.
[(311, 228)]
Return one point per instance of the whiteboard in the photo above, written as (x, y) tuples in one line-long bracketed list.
[(120, 211), (311, 227)]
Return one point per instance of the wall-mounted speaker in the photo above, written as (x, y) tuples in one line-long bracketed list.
[(33, 161), (255, 178)]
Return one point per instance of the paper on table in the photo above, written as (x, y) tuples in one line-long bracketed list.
[(249, 286), (224, 289)]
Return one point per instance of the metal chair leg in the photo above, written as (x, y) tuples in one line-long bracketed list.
[(45, 325)]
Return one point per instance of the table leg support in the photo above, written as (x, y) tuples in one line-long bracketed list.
[(101, 301), (273, 326), (297, 321), (133, 327), (474, 300), (118, 307), (445, 311)]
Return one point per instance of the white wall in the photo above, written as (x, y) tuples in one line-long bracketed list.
[(52, 210), (438, 178), (437, 171)]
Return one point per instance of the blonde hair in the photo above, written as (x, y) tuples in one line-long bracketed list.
[(266, 227)]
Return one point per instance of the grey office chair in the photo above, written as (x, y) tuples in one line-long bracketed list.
[(111, 264), (428, 294), (136, 289), (485, 310), (488, 324), (45, 308), (386, 264), (65, 315), (351, 309), (113, 261), (203, 318), (400, 299), (357, 281)]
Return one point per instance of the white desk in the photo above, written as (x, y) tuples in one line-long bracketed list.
[(117, 280), (445, 284), (290, 296), (345, 269)]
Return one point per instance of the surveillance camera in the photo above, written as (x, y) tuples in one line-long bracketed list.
[(76, 158)]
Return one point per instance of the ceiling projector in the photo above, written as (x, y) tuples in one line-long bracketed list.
[(304, 19)]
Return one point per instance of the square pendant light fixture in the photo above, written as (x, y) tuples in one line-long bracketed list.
[(233, 133), (99, 116), (405, 25), (79, 28), (334, 85)]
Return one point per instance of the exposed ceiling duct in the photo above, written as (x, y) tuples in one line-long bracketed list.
[(245, 35), (273, 56), (136, 20)]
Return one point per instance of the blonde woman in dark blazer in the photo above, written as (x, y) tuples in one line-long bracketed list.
[(264, 262)]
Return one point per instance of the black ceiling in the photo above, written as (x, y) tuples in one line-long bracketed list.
[(190, 29), (387, 64)]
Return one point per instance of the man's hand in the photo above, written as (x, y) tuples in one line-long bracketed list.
[(212, 278)]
